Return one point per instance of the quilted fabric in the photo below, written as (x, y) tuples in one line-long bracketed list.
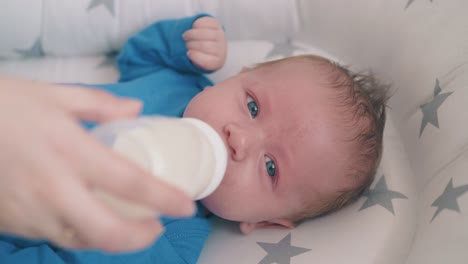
[(72, 28)]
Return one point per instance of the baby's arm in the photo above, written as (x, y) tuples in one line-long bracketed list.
[(161, 46), (181, 243)]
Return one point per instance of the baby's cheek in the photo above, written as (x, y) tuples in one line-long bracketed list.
[(226, 199), (220, 204)]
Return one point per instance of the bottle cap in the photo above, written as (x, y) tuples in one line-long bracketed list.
[(220, 155)]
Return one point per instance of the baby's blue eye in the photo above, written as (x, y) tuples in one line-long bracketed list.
[(252, 106), (270, 166)]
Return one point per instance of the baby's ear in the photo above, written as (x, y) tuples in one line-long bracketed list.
[(247, 228)]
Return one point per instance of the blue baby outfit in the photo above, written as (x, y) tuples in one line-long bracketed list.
[(155, 69)]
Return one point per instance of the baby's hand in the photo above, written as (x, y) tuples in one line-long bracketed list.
[(206, 44)]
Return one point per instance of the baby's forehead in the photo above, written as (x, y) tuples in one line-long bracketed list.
[(306, 79), (300, 93), (308, 65), (293, 76)]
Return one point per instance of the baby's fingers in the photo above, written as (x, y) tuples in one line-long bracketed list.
[(208, 47), (207, 22), (201, 34), (205, 61)]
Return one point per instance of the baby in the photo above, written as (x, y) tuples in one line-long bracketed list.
[(304, 134), (304, 137)]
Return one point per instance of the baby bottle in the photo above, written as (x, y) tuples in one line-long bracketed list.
[(185, 152)]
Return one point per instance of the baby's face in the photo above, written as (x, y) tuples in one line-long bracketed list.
[(279, 126)]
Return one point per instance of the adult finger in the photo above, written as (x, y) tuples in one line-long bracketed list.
[(112, 173), (94, 105), (87, 223)]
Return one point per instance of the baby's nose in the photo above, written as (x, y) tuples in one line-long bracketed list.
[(238, 141)]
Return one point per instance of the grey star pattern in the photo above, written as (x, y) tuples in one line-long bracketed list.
[(281, 252), (109, 60), (109, 4), (34, 51), (285, 49), (429, 109), (448, 199), (410, 2), (382, 196)]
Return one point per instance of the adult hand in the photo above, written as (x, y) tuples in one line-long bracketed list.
[(50, 166), (206, 44)]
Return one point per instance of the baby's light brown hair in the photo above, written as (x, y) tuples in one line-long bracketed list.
[(362, 100)]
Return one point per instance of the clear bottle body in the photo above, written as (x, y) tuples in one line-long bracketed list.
[(183, 152)]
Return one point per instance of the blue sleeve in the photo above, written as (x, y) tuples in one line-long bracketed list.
[(181, 243), (158, 46)]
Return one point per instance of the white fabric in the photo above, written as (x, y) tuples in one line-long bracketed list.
[(71, 27), (19, 27), (65, 70), (444, 239), (413, 43)]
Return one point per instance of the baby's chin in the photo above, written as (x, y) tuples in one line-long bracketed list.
[(215, 205)]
